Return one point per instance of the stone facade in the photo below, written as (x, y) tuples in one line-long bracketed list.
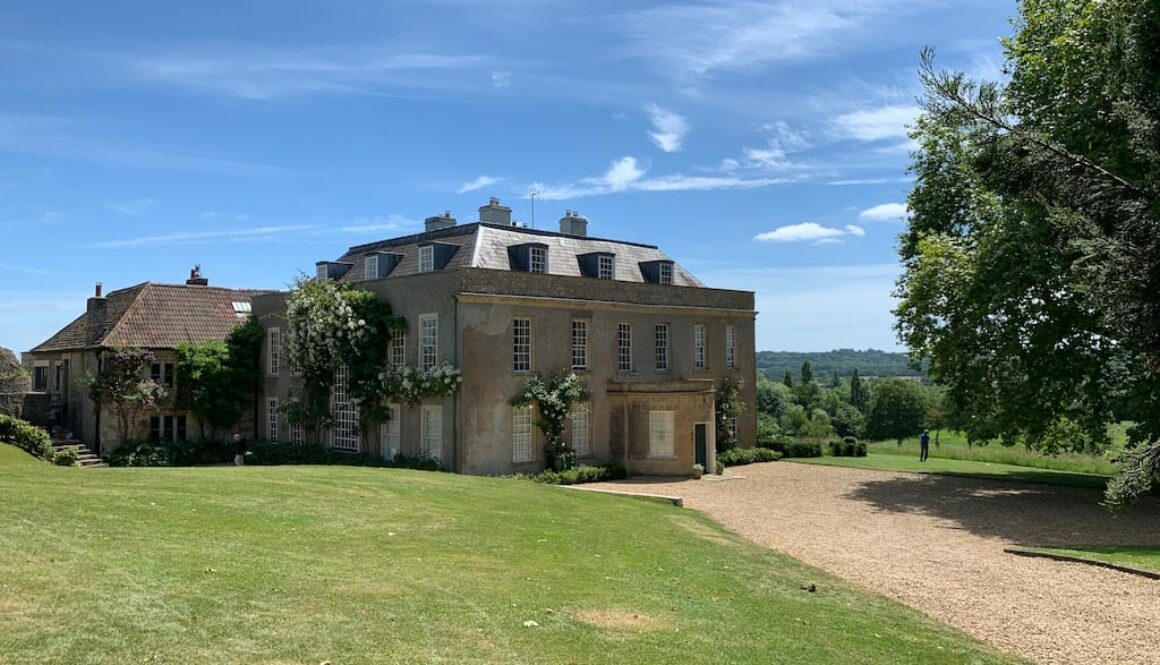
[(649, 416)]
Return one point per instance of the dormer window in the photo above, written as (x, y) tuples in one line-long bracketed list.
[(537, 259), (427, 259), (371, 267), (665, 276), (606, 268)]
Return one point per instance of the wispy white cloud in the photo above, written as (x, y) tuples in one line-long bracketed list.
[(501, 78), (885, 212), (809, 232), (235, 216), (23, 270), (382, 224), (888, 122), (134, 207), (669, 129), (780, 143), (479, 183), (46, 217), (184, 237), (264, 75), (871, 181), (692, 40), (626, 174)]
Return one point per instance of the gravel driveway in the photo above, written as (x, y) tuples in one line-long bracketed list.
[(936, 544)]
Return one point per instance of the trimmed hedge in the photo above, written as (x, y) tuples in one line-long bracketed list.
[(26, 436), (262, 453), (791, 447), (848, 447), (577, 475), (739, 456)]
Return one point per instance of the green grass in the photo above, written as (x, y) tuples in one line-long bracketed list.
[(1136, 557), (883, 461), (355, 565), (953, 445)]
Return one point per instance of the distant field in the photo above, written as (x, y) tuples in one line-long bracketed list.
[(953, 445), (354, 565)]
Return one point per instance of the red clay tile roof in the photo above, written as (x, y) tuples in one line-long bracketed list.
[(156, 316)]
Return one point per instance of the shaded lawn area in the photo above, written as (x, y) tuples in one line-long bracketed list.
[(355, 565), (1136, 557), (883, 461)]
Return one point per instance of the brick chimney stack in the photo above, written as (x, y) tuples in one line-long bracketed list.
[(95, 316), (195, 278)]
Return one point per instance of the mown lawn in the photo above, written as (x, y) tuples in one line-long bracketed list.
[(884, 461), (1137, 557), (354, 565)]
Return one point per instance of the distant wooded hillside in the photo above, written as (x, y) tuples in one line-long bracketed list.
[(870, 362)]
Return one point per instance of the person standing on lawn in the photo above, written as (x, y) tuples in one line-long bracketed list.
[(240, 450), (924, 445)]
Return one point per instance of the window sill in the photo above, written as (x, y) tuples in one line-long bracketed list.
[(663, 457)]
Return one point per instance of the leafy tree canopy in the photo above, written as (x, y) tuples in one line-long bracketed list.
[(1031, 261)]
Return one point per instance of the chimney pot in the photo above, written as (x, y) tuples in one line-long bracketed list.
[(437, 222), (494, 213), (97, 291), (573, 223)]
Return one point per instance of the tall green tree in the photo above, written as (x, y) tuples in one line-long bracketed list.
[(858, 394), (787, 379), (897, 410), (807, 372), (1031, 265), (216, 380)]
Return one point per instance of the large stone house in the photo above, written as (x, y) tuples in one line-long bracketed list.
[(152, 316), (501, 302)]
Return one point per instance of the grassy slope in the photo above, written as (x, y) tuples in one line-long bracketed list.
[(884, 461), (304, 564), (1138, 557)]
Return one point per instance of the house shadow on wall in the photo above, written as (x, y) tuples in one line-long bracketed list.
[(1024, 514)]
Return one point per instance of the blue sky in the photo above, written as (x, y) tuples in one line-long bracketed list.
[(761, 144)]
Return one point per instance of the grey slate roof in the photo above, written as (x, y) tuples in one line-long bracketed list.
[(484, 245)]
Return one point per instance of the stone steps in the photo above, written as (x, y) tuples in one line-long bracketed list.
[(85, 457)]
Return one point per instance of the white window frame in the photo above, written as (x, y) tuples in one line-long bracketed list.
[(431, 431), (296, 436), (665, 274), (390, 432), (730, 347), (397, 356), (662, 347), (579, 344), (344, 434), (522, 345), (274, 352), (272, 419), (371, 267), (538, 259), (605, 267), (582, 429), (428, 341), (661, 436), (624, 347), (427, 258), (321, 271), (522, 436), (698, 346)]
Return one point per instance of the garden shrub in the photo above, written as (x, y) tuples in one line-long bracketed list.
[(803, 449), (739, 456), (26, 436), (65, 457), (718, 467), (577, 475), (263, 453), (848, 447)]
